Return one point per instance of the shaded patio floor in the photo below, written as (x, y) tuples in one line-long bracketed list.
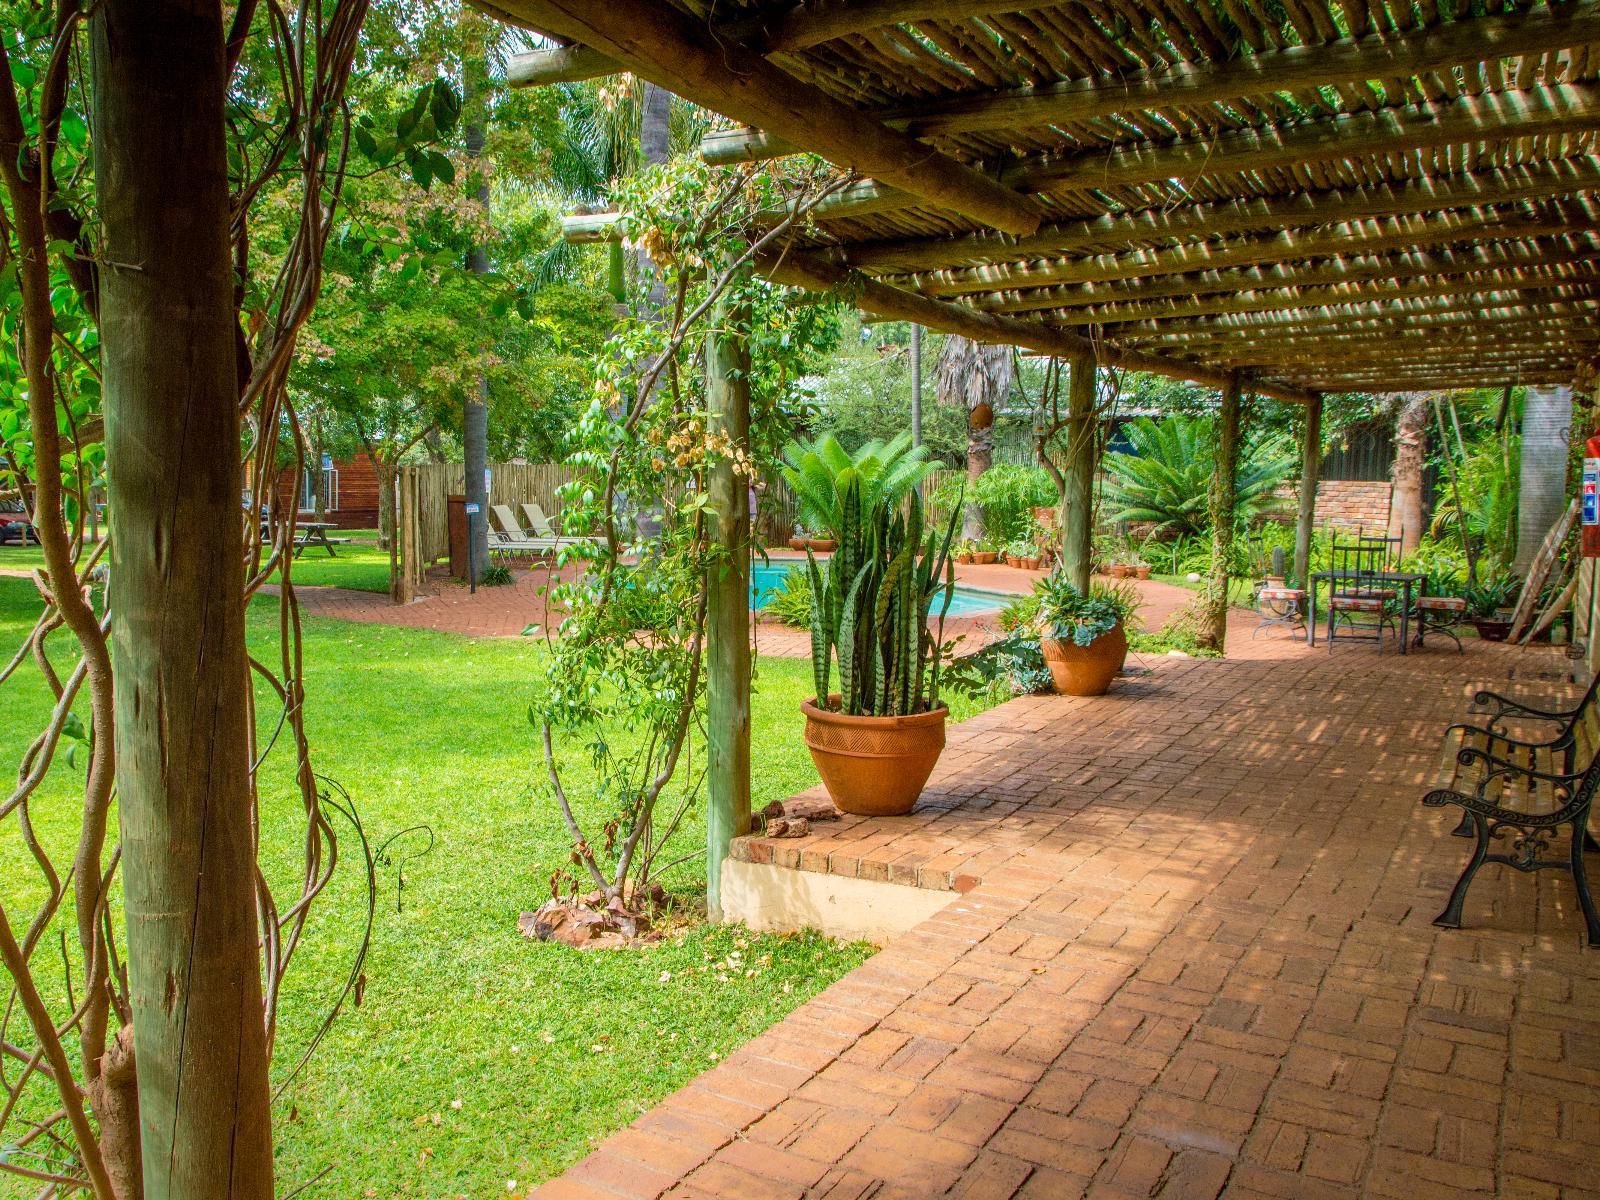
[(1193, 957)]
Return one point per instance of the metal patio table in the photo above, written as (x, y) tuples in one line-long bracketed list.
[(1405, 580)]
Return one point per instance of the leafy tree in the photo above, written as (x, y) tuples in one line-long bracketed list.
[(1165, 478), (863, 391)]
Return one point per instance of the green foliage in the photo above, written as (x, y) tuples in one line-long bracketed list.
[(870, 606), (495, 575), (1494, 592), (790, 601), (1165, 480), (1008, 495), (1489, 482), (1067, 614), (1010, 666), (821, 472)]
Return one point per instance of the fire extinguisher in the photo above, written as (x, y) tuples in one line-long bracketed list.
[(1591, 497)]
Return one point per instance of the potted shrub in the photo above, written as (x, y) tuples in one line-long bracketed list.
[(825, 545), (1082, 635), (965, 550), (1023, 554), (798, 540), (875, 740), (984, 553), (1487, 608)]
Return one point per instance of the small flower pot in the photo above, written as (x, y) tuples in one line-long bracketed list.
[(822, 545), (984, 557), (1142, 572), (964, 558), (1119, 570), (874, 766), (1491, 630), (1033, 563), (798, 543), (1085, 670)]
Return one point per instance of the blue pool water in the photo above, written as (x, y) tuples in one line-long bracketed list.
[(966, 602)]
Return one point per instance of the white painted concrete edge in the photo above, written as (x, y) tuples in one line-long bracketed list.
[(768, 897)]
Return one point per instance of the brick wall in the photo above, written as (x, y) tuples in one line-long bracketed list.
[(1346, 503)]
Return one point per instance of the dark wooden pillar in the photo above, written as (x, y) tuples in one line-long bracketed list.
[(1310, 469), (1077, 505), (1224, 497)]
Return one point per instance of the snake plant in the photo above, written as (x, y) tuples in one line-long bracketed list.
[(870, 607)]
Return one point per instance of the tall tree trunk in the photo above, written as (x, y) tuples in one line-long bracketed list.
[(980, 457), (1542, 491), (975, 378), (475, 412), (172, 447), (1223, 500), (319, 476), (387, 473), (1077, 497), (1410, 452)]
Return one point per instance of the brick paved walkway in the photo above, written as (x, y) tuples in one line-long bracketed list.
[(1194, 957)]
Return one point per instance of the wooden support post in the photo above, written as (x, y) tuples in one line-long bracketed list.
[(728, 616), (1077, 506), (1224, 497), (1310, 468)]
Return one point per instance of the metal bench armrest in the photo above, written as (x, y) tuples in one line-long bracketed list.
[(1467, 755), (1508, 706), (1469, 730)]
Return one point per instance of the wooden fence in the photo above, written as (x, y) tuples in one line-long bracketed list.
[(424, 513)]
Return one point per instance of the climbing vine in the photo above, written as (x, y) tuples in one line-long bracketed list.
[(630, 652)]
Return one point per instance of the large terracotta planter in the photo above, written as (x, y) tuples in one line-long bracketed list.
[(984, 557), (874, 766), (1085, 670), (823, 545)]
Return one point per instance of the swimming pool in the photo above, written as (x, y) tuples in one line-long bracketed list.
[(965, 602)]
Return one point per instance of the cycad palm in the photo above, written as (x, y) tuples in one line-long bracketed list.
[(1165, 480), (821, 472)]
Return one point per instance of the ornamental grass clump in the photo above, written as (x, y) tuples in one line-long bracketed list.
[(870, 607)]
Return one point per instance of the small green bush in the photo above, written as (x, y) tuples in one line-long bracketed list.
[(495, 575), (790, 601), (1008, 495)]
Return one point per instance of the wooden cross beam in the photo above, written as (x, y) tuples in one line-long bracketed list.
[(1491, 116), (1359, 267), (1181, 85), (1347, 237), (1503, 185), (665, 45)]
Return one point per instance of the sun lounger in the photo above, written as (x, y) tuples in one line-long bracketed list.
[(543, 526), (507, 537)]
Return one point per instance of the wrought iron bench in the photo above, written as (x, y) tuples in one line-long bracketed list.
[(1529, 788)]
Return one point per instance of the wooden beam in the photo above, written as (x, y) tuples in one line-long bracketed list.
[(792, 27), (1293, 68), (1462, 312), (728, 606), (1310, 468), (567, 64), (1481, 288), (1222, 503), (1491, 116), (1439, 262), (1083, 454), (1348, 237), (814, 274), (670, 48), (1428, 194)]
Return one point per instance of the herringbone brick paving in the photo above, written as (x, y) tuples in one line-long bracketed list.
[(1195, 959)]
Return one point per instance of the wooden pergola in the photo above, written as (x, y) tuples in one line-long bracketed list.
[(1359, 195)]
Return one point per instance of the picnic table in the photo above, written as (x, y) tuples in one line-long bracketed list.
[(314, 533), (1405, 580)]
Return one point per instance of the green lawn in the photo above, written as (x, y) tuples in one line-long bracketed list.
[(477, 1056), (358, 564)]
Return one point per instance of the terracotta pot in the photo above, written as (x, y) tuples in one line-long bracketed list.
[(1491, 630), (822, 544), (1085, 670), (984, 557), (1031, 563), (1119, 571), (798, 543), (874, 766), (1142, 572), (964, 557)]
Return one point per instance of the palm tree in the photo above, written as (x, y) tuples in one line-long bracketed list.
[(1410, 451), (1165, 480), (976, 378)]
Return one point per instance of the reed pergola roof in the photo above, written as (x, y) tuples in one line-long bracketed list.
[(1355, 195)]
